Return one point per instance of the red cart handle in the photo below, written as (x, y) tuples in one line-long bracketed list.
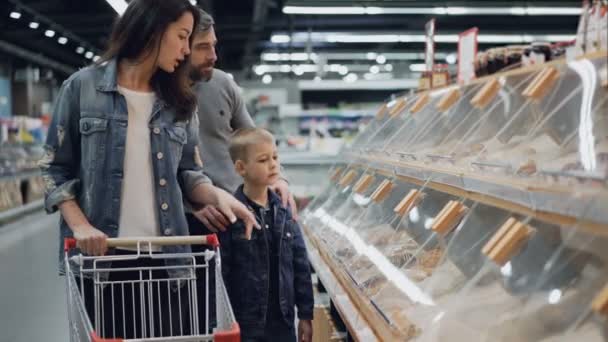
[(210, 240)]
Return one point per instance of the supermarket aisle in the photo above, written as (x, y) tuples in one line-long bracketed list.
[(32, 295)]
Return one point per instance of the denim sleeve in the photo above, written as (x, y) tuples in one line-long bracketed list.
[(61, 161), (302, 282), (190, 171)]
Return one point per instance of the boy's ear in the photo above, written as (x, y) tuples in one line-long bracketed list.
[(239, 166)]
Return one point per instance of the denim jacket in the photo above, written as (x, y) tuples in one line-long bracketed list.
[(85, 152), (245, 268)]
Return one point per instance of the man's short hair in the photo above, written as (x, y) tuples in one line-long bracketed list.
[(205, 23), (244, 138)]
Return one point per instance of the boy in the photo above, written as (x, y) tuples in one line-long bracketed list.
[(267, 273)]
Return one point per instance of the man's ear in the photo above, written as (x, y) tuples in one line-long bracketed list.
[(239, 165)]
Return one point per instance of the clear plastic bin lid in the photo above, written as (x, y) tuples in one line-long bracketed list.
[(535, 282), (561, 135)]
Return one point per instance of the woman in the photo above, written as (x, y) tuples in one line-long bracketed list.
[(122, 145)]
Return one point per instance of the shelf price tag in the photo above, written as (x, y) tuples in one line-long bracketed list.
[(398, 107), (600, 303), (381, 111), (364, 182), (448, 100), (408, 202), (422, 101), (382, 192), (448, 217), (336, 174), (486, 94), (348, 178), (507, 241), (542, 83)]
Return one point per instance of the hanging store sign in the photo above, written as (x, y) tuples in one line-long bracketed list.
[(467, 51), (429, 56)]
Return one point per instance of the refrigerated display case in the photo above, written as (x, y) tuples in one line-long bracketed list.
[(450, 221)]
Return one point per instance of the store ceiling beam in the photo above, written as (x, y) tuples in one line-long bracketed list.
[(35, 58)]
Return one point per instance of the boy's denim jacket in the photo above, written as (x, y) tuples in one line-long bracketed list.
[(85, 152), (245, 268)]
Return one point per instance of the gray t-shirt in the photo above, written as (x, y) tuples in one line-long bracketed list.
[(221, 111)]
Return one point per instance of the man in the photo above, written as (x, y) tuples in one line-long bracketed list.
[(221, 111)]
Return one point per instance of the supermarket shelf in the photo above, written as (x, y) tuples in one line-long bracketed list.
[(20, 175), (308, 159), (16, 213), (358, 328), (373, 319), (391, 168)]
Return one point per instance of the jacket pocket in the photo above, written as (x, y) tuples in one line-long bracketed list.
[(177, 139), (93, 140)]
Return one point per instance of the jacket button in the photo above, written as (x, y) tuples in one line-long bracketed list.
[(168, 231), (156, 130), (159, 155), (164, 206), (162, 182)]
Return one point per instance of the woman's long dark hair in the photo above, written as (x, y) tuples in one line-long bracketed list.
[(138, 33)]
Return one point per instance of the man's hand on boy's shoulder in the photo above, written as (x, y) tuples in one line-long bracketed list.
[(305, 331), (281, 188)]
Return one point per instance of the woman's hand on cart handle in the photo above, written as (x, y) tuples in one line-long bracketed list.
[(90, 240)]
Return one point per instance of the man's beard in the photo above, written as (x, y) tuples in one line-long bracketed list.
[(198, 74)]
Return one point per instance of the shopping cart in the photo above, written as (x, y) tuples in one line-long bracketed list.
[(160, 292)]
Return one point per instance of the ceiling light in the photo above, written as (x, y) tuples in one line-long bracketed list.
[(374, 69), (34, 25), (285, 68), (259, 70), (388, 67), (62, 40), (96, 58), (49, 33), (280, 39), (266, 79), (89, 55), (193, 2), (417, 67), (381, 59), (350, 78), (120, 6), (553, 10), (80, 50), (15, 15), (347, 55), (323, 10), (343, 70), (345, 37), (451, 58), (517, 11), (317, 78), (298, 71), (375, 10)]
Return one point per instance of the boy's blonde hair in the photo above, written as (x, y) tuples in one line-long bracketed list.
[(244, 138)]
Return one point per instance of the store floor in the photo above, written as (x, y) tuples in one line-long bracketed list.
[(32, 295)]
